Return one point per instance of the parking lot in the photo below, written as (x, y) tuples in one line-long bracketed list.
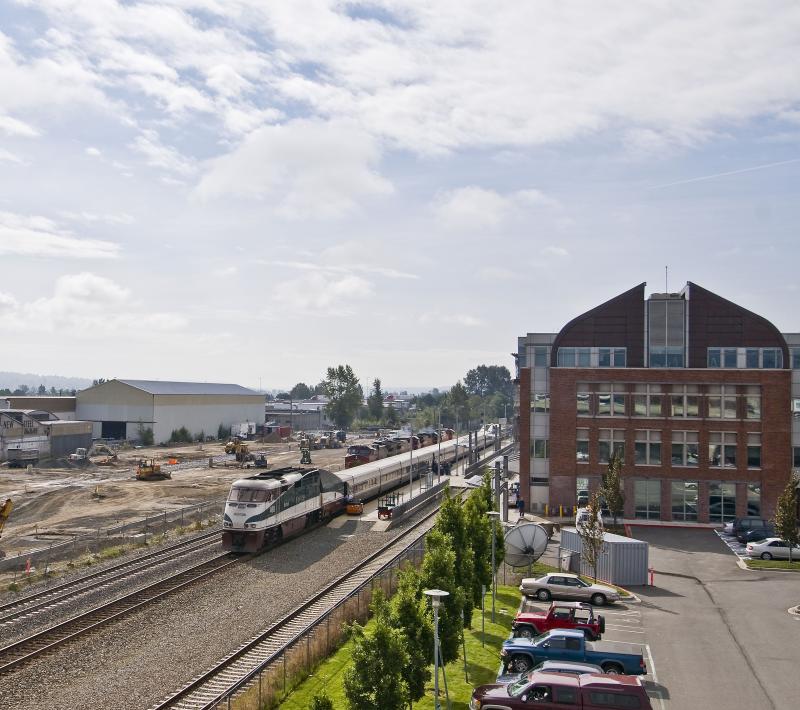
[(720, 636)]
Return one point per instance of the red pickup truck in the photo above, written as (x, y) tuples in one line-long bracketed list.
[(560, 615)]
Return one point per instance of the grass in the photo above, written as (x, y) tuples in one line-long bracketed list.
[(483, 661), (773, 564)]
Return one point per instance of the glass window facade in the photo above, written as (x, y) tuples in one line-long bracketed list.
[(540, 448), (751, 358), (722, 449), (754, 499), (582, 491), (647, 498), (685, 448), (683, 500), (721, 402), (583, 403), (685, 401), (611, 440), (721, 502), (582, 446), (648, 401), (754, 450), (540, 356), (795, 353), (611, 400), (647, 448), (540, 403)]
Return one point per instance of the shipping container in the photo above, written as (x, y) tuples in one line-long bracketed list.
[(624, 561)]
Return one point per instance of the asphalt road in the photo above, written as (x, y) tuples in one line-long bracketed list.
[(720, 636)]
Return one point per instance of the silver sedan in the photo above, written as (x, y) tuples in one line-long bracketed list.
[(567, 586)]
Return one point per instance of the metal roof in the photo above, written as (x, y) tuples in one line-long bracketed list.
[(203, 388)]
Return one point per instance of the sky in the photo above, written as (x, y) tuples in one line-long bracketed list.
[(242, 191)]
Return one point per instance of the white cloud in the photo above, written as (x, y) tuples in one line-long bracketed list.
[(10, 157), (14, 127), (226, 272), (35, 236), (161, 156), (452, 319), (480, 209), (94, 152), (91, 217), (323, 294), (306, 168), (560, 252), (490, 274)]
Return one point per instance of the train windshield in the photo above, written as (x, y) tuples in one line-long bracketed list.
[(250, 495)]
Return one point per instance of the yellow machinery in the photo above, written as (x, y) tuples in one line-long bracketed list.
[(149, 470), (305, 456), (5, 511)]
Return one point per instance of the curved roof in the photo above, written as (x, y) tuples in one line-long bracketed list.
[(183, 388)]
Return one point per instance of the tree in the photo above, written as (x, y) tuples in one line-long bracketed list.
[(374, 678), (439, 572), (283, 395), (344, 395), (53, 392), (409, 614), (375, 401), (321, 701), (452, 522), (611, 487), (459, 401), (485, 380), (479, 532), (301, 391), (786, 515), (22, 390), (42, 390), (391, 416), (99, 381), (592, 535)]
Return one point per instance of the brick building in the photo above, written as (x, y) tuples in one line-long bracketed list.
[(700, 396)]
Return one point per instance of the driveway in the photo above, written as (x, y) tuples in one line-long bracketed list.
[(720, 636)]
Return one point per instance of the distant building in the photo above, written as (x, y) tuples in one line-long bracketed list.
[(61, 407), (699, 395), (300, 416), (121, 409), (39, 431)]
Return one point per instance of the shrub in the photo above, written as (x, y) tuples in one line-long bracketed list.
[(223, 432), (321, 701), (181, 435)]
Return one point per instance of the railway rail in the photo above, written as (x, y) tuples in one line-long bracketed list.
[(234, 672), (38, 644), (51, 597)]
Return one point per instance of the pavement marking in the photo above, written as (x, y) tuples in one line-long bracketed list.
[(625, 631), (736, 547), (651, 667)]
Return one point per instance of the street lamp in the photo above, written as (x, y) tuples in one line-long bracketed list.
[(493, 516), (439, 456), (436, 598)]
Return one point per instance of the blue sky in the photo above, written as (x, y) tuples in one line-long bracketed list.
[(249, 191)]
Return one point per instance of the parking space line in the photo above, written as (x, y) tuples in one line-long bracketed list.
[(651, 666), (624, 631)]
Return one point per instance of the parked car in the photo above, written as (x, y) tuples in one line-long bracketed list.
[(749, 523), (520, 655), (567, 586), (772, 548), (564, 691), (560, 615), (549, 667), (756, 534)]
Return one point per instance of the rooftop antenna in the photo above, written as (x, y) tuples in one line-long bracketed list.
[(666, 279)]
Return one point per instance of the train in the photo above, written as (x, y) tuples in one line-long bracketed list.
[(272, 505), (382, 448)]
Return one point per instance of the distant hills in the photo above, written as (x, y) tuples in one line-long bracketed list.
[(13, 380)]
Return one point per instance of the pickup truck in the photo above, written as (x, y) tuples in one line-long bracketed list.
[(560, 615), (520, 655), (563, 691)]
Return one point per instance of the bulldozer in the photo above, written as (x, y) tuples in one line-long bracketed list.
[(149, 470), (5, 512)]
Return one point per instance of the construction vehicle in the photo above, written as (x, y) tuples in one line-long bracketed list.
[(20, 458), (329, 440), (260, 460), (240, 449), (149, 470), (305, 455), (5, 512), (81, 457)]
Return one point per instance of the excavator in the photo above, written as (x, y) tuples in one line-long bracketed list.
[(5, 512), (149, 470)]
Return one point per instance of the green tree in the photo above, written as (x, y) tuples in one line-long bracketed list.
[(489, 379), (459, 401), (375, 401), (439, 572), (611, 487), (301, 391), (374, 678), (321, 701), (479, 532), (53, 392), (344, 394), (391, 416), (451, 521), (410, 614), (42, 390), (592, 535), (786, 515)]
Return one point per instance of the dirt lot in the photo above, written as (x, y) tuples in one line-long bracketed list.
[(57, 503)]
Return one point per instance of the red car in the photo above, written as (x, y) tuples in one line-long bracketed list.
[(560, 615), (565, 692)]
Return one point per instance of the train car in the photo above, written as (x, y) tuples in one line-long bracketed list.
[(271, 505), (358, 454)]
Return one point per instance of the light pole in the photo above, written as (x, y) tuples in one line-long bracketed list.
[(439, 456), (436, 598), (493, 516)]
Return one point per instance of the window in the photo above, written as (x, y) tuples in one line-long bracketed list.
[(754, 499), (722, 449), (583, 402), (582, 491), (540, 448), (666, 357), (540, 356), (583, 357), (722, 357), (753, 451), (721, 402), (565, 695), (796, 407), (714, 357), (611, 357), (540, 403), (683, 497), (611, 440), (685, 448), (647, 448), (795, 355), (610, 400), (647, 498), (685, 401), (752, 402), (582, 446), (729, 357), (721, 502), (771, 358), (648, 401), (574, 357), (796, 457), (751, 358), (614, 700)]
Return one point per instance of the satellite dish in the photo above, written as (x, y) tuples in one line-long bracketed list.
[(525, 544)]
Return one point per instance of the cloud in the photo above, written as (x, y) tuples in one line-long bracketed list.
[(364, 268), (475, 208), (226, 271), (35, 236), (84, 303), (491, 274), (323, 294), (560, 252), (158, 155), (94, 152), (14, 127), (453, 319), (304, 168), (10, 157), (92, 217)]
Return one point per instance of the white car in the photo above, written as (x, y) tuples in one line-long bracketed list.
[(772, 548)]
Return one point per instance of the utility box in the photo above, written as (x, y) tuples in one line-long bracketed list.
[(624, 561)]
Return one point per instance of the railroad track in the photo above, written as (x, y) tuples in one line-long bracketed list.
[(236, 669), (61, 593), (34, 646)]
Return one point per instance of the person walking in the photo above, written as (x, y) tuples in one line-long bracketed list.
[(521, 506)]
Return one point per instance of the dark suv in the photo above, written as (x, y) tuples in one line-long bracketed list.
[(751, 522)]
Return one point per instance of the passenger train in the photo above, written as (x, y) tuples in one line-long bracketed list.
[(272, 505)]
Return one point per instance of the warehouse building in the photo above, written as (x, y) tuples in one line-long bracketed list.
[(700, 396), (123, 409)]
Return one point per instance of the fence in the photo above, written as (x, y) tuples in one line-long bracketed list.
[(137, 530)]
